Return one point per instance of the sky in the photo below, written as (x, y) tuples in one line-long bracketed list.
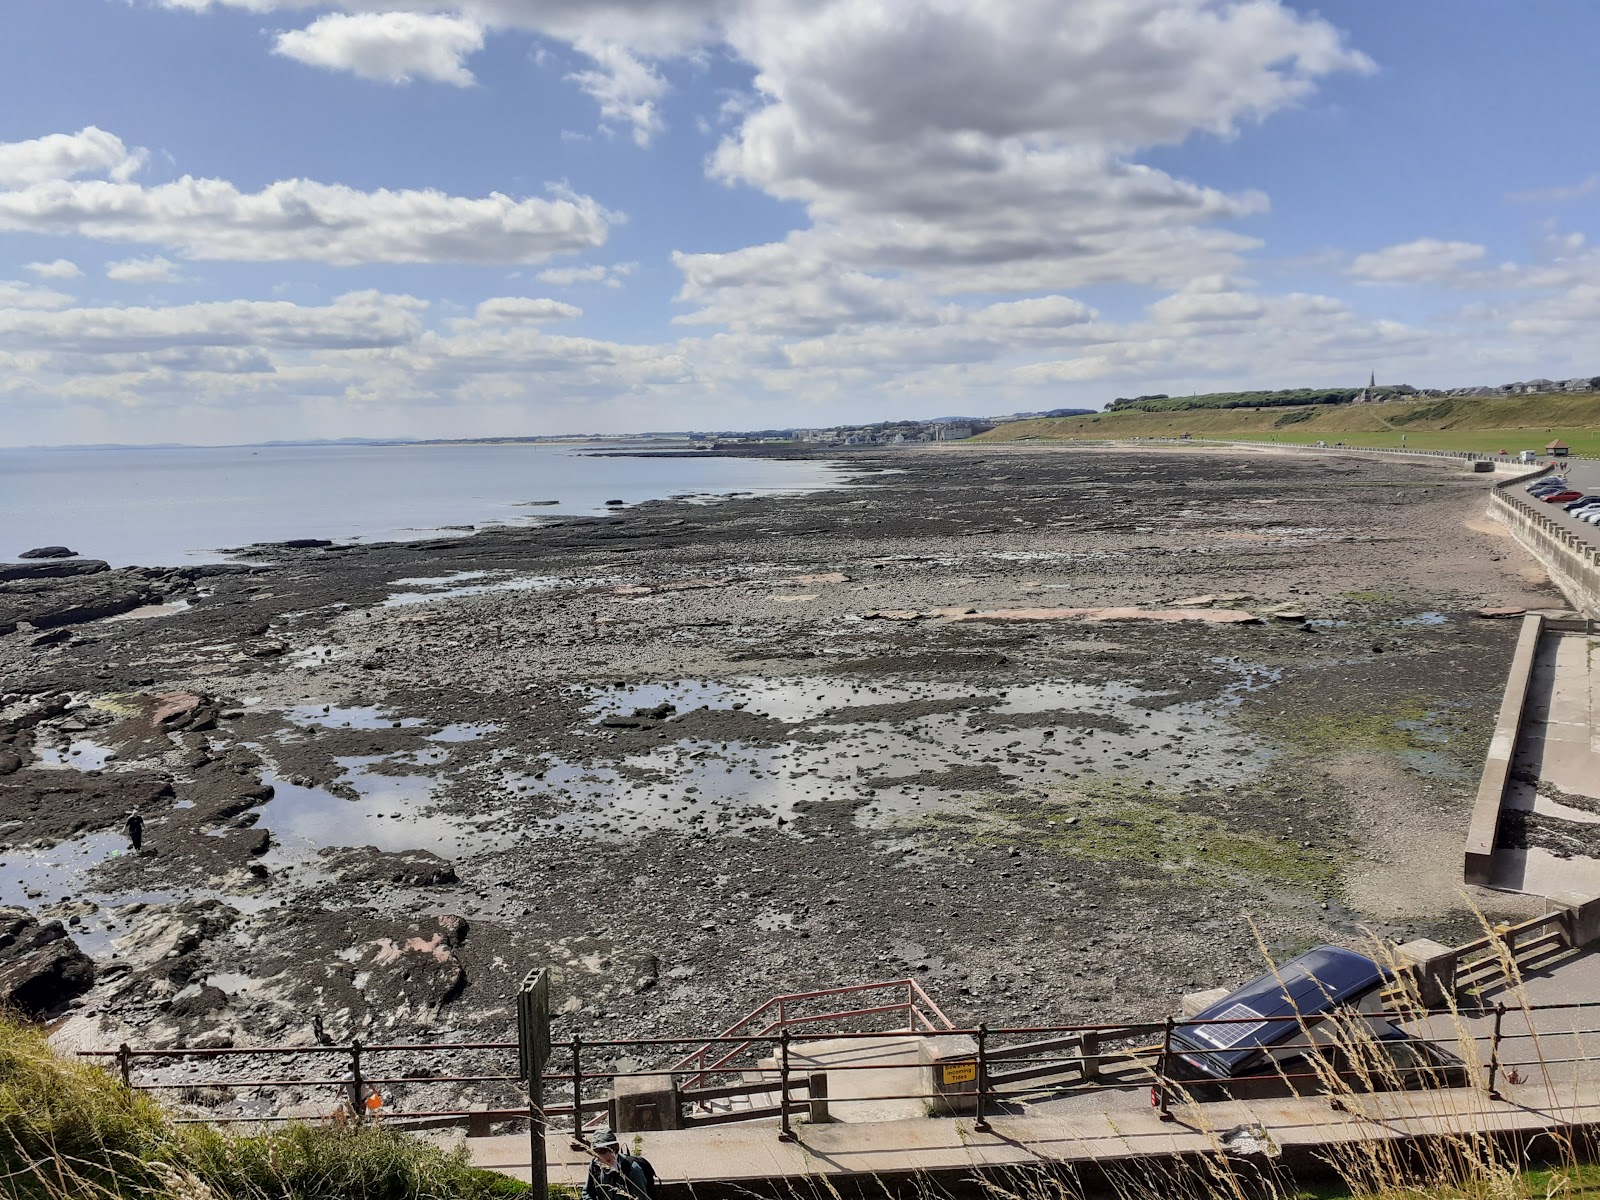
[(238, 220)]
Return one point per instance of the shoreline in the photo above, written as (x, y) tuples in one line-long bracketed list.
[(619, 703)]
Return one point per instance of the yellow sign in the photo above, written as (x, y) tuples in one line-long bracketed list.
[(964, 1072)]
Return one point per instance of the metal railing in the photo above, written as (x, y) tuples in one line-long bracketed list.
[(1331, 1053), (779, 1014)]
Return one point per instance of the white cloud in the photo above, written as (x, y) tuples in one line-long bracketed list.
[(1199, 308), (60, 268), (1044, 312), (610, 275), (143, 270), (18, 295), (625, 88), (1426, 260), (1559, 195), (395, 47), (90, 151), (298, 219), (358, 320), (512, 309)]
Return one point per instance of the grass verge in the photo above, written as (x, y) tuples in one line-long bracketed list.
[(73, 1132)]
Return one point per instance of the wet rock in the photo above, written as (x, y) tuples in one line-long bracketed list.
[(204, 1004), (52, 805), (414, 868), (265, 648), (50, 604), (52, 638), (41, 968), (9, 763), (417, 972), (57, 569), (49, 552), (646, 973), (301, 544), (656, 712)]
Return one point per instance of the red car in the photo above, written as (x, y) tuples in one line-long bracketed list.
[(1561, 497)]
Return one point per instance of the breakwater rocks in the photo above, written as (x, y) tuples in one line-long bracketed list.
[(668, 751)]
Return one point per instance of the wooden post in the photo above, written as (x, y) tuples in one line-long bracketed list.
[(533, 1046)]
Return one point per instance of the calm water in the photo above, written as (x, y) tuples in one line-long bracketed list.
[(168, 507)]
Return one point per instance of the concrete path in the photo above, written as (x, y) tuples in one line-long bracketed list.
[(752, 1152), (1557, 752), (1549, 1075)]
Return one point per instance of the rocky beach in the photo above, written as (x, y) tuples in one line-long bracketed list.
[(1061, 733)]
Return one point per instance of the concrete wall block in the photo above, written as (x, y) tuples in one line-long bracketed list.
[(1433, 967), (1195, 1003), (1580, 917), (952, 1061), (645, 1104)]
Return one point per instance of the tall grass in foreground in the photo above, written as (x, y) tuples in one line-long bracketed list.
[(73, 1132)]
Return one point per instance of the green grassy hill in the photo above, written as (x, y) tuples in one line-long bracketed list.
[(1477, 423)]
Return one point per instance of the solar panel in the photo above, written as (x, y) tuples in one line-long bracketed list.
[(1234, 1025)]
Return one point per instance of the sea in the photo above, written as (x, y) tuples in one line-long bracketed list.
[(175, 506)]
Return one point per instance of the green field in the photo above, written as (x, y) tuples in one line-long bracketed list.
[(1488, 425)]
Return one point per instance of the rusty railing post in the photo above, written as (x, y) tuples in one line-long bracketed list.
[(125, 1064), (1494, 1051), (1161, 1073), (785, 1133), (981, 1125), (577, 1086)]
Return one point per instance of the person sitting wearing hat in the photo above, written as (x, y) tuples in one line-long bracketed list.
[(614, 1175)]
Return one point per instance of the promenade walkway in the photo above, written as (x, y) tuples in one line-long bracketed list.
[(1554, 783), (1298, 1128)]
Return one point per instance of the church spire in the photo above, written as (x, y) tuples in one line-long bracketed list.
[(1372, 380)]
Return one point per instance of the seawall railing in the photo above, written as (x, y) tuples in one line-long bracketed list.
[(745, 1075)]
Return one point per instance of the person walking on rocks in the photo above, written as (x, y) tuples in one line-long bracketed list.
[(135, 825), (614, 1175)]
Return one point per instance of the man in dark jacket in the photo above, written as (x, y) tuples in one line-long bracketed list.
[(614, 1175)]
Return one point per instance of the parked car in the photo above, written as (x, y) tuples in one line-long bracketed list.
[(1546, 484), (1582, 502), (1560, 497), (1590, 514)]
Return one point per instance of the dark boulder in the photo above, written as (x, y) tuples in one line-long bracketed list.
[(303, 543), (49, 552), (413, 868), (59, 569), (52, 603), (41, 968)]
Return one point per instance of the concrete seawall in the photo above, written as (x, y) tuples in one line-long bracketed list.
[(1573, 563), (1497, 763)]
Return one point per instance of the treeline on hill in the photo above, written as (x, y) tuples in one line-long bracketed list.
[(1281, 398)]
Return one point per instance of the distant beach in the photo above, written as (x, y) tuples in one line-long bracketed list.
[(168, 507)]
